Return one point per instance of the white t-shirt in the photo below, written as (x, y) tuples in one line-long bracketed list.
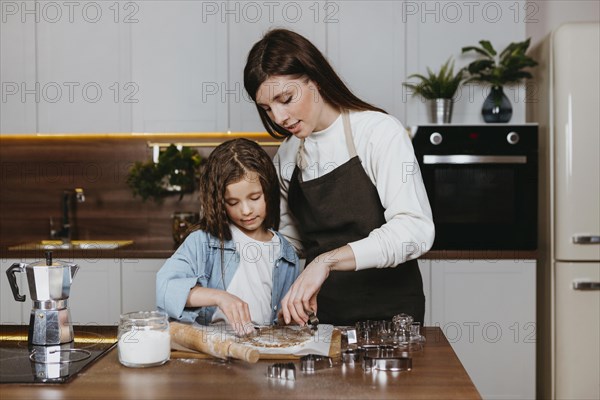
[(253, 280), (387, 155)]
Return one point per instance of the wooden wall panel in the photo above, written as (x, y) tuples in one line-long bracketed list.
[(34, 171)]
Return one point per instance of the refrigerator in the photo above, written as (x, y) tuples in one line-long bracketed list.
[(565, 101)]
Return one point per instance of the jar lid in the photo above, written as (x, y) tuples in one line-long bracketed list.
[(144, 316)]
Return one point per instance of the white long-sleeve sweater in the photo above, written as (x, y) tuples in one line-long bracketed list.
[(387, 155)]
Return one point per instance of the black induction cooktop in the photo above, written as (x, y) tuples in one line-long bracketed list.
[(21, 363)]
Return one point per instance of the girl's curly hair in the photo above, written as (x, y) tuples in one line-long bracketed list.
[(230, 162)]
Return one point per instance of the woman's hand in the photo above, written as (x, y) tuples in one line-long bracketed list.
[(302, 296)]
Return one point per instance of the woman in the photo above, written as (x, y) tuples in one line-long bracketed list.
[(352, 195)]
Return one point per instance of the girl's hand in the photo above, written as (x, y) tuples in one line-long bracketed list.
[(237, 312), (302, 296)]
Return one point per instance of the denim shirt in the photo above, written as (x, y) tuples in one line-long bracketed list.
[(198, 262)]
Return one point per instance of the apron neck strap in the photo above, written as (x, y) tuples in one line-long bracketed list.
[(348, 134), (301, 158)]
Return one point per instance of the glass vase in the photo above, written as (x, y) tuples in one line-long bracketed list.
[(496, 107)]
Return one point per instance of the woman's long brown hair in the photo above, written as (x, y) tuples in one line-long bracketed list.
[(283, 52), (230, 162)]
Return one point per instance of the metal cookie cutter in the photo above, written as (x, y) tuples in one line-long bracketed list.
[(313, 362), (352, 356), (313, 321), (387, 364), (286, 371)]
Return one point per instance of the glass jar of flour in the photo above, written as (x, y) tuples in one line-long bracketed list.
[(144, 339)]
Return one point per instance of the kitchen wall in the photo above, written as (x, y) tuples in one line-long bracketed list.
[(176, 66), (36, 170)]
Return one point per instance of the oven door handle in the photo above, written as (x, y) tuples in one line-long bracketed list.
[(471, 159)]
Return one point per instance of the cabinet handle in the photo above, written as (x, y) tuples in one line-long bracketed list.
[(578, 285), (590, 239)]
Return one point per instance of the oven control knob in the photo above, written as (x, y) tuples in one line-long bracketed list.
[(436, 138), (513, 138)]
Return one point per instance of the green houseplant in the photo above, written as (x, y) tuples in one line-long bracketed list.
[(438, 88), (499, 70), (176, 172)]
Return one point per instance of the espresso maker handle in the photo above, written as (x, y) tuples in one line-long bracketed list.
[(12, 279)]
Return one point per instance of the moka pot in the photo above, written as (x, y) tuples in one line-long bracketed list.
[(49, 286)]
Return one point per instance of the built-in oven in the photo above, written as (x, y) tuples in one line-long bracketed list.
[(482, 184)]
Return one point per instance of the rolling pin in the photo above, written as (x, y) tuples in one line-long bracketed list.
[(215, 345)]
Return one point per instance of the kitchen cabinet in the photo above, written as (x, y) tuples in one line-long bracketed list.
[(17, 73), (82, 68), (179, 66), (366, 46), (425, 268), (96, 292), (102, 290), (247, 24), (486, 309), (176, 66), (138, 283)]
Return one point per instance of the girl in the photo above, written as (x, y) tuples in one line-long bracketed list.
[(235, 268), (352, 194)]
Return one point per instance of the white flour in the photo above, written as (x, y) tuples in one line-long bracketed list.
[(138, 347)]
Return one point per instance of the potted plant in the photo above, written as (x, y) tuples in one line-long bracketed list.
[(499, 70), (438, 88), (176, 172)]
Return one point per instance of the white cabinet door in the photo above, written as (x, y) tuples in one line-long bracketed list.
[(366, 45), (425, 268), (179, 63), (17, 70), (96, 292), (11, 311), (138, 279), (248, 21), (83, 75), (486, 309)]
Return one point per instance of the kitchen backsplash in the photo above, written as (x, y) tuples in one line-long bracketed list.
[(35, 169)]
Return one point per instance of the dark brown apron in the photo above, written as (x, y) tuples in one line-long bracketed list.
[(338, 208)]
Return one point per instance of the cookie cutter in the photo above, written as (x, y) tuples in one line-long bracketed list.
[(382, 350), (387, 363), (313, 362), (352, 356), (285, 371), (313, 321)]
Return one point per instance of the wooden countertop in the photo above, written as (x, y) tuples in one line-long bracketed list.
[(467, 254), (144, 248), (164, 248), (437, 373)]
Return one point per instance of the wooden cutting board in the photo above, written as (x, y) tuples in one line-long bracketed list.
[(335, 350)]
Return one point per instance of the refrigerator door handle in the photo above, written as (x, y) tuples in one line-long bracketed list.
[(587, 239), (582, 285)]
